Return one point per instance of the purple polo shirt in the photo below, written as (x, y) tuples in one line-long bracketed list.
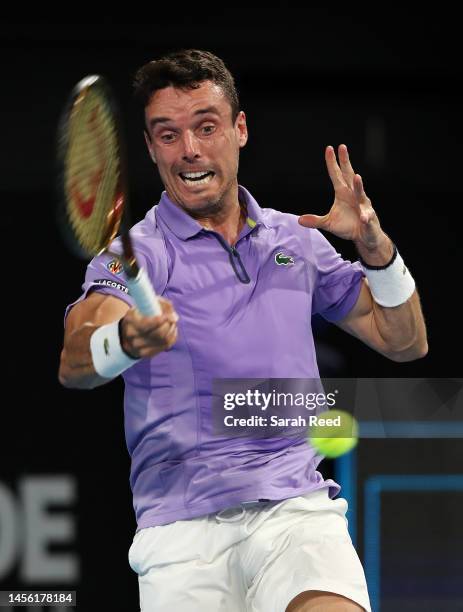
[(231, 326)]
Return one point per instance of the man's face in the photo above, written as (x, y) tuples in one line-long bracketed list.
[(196, 146)]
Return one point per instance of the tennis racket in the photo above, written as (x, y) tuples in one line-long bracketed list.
[(92, 184)]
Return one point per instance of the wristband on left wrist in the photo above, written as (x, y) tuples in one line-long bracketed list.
[(390, 285)]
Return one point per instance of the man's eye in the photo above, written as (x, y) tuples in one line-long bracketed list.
[(167, 137), (207, 129)]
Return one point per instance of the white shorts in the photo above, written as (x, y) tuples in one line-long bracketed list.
[(255, 557)]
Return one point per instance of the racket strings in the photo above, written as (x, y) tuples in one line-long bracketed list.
[(92, 172)]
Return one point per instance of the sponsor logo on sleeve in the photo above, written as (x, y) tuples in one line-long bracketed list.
[(115, 267), (110, 283)]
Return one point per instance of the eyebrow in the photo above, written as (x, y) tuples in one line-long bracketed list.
[(201, 111)]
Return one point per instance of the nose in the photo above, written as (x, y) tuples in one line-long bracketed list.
[(190, 147)]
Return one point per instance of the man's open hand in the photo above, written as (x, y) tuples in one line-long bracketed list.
[(351, 216)]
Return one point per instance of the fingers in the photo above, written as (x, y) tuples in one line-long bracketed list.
[(162, 341), (334, 170), (147, 336), (166, 306), (316, 221), (358, 187), (146, 324), (366, 210), (346, 168), (342, 174), (171, 336), (367, 214)]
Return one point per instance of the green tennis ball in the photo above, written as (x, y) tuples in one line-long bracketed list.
[(334, 434)]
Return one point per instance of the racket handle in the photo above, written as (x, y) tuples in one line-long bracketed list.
[(143, 294)]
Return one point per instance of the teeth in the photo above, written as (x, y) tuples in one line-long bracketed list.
[(206, 179), (197, 178), (194, 174)]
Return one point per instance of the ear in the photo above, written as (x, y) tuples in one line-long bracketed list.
[(149, 144), (241, 129)]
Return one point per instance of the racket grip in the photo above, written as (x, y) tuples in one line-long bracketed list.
[(143, 294)]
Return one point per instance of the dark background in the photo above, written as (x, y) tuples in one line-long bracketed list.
[(385, 85)]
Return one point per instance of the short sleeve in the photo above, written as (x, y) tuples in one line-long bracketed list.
[(338, 281), (105, 275)]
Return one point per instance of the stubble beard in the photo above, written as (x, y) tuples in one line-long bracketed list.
[(210, 208)]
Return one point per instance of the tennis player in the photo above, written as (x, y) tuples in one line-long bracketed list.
[(233, 524)]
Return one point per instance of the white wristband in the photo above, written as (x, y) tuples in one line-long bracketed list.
[(390, 285), (109, 360)]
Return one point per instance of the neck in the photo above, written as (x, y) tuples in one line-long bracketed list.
[(226, 217), (227, 223)]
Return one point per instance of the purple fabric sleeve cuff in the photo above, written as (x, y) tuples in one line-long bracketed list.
[(342, 308), (101, 289)]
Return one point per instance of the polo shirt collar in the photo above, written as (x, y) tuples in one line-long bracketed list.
[(255, 213), (184, 226)]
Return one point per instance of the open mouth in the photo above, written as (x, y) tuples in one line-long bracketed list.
[(197, 178)]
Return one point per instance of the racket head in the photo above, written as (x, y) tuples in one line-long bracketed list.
[(91, 168)]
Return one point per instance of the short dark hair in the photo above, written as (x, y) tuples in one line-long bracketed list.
[(185, 69)]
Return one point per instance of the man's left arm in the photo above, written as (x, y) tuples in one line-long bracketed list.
[(398, 332), (387, 315)]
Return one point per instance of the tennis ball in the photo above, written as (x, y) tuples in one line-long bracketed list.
[(334, 434)]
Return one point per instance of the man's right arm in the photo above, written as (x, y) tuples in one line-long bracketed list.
[(141, 336)]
